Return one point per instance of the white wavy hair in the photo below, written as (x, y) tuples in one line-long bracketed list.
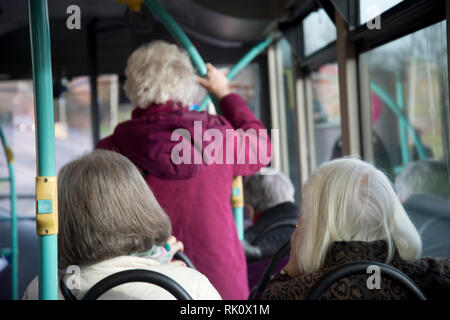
[(158, 72), (350, 200)]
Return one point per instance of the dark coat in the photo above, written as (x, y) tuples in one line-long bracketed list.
[(196, 197), (432, 275), (272, 241)]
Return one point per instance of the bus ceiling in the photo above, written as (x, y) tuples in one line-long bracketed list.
[(212, 25)]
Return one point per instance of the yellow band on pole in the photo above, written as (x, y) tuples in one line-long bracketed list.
[(46, 205), (134, 5), (9, 155), (237, 195)]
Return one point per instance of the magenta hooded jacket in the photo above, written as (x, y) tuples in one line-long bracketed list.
[(196, 196)]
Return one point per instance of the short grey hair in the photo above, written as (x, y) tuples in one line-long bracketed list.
[(158, 72), (263, 191), (423, 176), (106, 209)]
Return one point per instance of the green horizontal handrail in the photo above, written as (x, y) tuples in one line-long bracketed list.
[(7, 219), (5, 251)]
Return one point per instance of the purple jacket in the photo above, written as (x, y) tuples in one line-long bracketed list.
[(196, 197)]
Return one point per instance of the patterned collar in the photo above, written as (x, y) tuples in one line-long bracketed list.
[(342, 252)]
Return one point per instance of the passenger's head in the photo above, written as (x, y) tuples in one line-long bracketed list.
[(106, 210), (424, 176), (264, 191), (350, 200), (158, 72)]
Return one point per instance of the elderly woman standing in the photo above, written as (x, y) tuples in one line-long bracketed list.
[(269, 198), (351, 213), (109, 222), (161, 83)]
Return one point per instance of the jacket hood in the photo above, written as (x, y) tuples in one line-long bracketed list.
[(146, 139)]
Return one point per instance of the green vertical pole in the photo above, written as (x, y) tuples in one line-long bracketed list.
[(45, 136), (14, 235), (238, 214), (237, 203), (14, 253), (403, 130)]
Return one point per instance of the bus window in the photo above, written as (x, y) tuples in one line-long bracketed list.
[(17, 121), (369, 9), (112, 109), (290, 125), (247, 85), (318, 31), (408, 84), (327, 117), (72, 131)]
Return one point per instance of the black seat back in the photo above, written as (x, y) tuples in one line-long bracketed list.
[(356, 268), (270, 269), (183, 257), (128, 276), (281, 224)]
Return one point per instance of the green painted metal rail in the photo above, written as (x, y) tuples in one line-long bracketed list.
[(13, 251), (45, 135), (245, 60), (401, 116), (178, 35), (3, 219), (403, 130)]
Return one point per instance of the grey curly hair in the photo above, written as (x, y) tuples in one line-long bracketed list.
[(158, 72)]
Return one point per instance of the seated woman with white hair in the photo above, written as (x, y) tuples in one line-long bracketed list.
[(269, 199), (351, 213), (110, 221)]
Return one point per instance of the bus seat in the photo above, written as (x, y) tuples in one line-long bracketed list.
[(255, 268), (278, 225), (183, 257), (431, 216), (278, 261), (5, 279), (360, 267), (28, 252), (128, 276)]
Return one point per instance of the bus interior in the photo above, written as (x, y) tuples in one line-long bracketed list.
[(337, 77)]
